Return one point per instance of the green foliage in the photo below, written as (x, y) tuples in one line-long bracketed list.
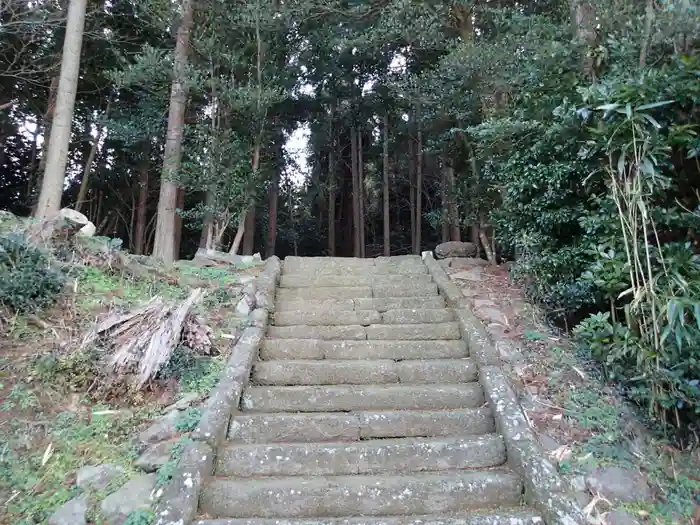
[(189, 419), (75, 371), (27, 280), (140, 517), (42, 476)]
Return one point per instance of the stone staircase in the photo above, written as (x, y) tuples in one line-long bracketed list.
[(364, 408)]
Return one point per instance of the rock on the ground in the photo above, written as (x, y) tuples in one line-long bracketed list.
[(456, 249), (457, 262), (619, 517), (134, 495), (162, 429), (155, 456), (492, 315), (96, 478), (619, 485), (72, 512), (468, 275), (186, 400)]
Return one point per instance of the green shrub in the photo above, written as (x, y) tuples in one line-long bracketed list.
[(27, 280)]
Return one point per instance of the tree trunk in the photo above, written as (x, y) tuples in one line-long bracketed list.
[(85, 181), (164, 243), (207, 233), (244, 214), (445, 205), (57, 157), (273, 197), (584, 22), (249, 237), (361, 187), (331, 187), (355, 194), (387, 225), (412, 189), (141, 210), (419, 194), (452, 207), (178, 220)]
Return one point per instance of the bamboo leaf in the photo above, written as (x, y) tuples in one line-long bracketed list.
[(655, 105)]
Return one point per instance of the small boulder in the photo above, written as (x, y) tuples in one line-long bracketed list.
[(456, 249), (162, 429), (96, 478), (154, 457), (134, 495), (186, 400), (619, 517), (72, 512), (619, 485), (468, 275)]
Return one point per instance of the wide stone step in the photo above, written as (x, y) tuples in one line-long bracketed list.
[(407, 289), (408, 332), (418, 316), (344, 305), (341, 496), (329, 292), (323, 317), (497, 517), (343, 398), (353, 426), (355, 372), (273, 349), (328, 318), (364, 457), (306, 280)]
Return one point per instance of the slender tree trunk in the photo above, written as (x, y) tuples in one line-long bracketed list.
[(85, 181), (355, 194), (57, 156), (331, 187), (141, 209), (249, 237), (273, 197), (207, 224), (361, 186), (412, 189), (164, 242), (419, 194), (386, 211), (648, 23), (453, 208), (251, 204), (445, 205), (178, 220), (584, 22)]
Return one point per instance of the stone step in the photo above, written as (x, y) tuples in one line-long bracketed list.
[(414, 332), (394, 332), (306, 280), (418, 316), (328, 318), (331, 292), (296, 349), (341, 496), (324, 317), (496, 517), (353, 426), (406, 289), (343, 398), (356, 372), (344, 305), (364, 457)]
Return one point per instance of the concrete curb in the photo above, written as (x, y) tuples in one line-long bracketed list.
[(178, 500), (544, 488)]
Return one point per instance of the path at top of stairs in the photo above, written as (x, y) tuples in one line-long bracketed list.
[(364, 408)]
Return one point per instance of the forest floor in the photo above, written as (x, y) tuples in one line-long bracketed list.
[(616, 460), (56, 412)]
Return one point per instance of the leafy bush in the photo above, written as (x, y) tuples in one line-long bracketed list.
[(27, 280)]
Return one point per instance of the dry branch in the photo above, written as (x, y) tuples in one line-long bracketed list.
[(143, 340)]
